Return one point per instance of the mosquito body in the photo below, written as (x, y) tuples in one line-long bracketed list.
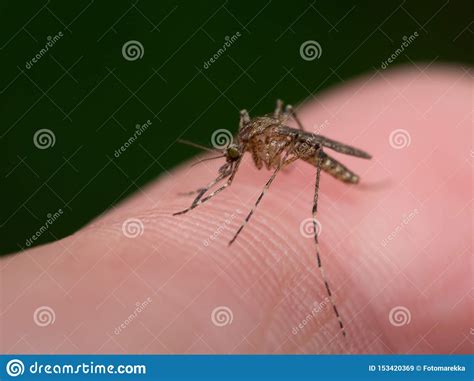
[(273, 144)]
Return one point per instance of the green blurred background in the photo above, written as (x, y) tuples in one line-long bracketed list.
[(91, 98)]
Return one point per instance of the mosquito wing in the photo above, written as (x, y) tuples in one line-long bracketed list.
[(342, 148)]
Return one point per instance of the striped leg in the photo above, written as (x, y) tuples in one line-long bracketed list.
[(202, 191), (278, 109), (265, 188), (290, 111), (316, 241), (199, 200), (190, 193)]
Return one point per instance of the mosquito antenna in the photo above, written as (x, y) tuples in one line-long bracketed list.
[(206, 159), (187, 142)]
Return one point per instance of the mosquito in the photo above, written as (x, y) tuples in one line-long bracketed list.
[(274, 144)]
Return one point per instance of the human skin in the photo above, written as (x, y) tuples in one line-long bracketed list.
[(400, 238)]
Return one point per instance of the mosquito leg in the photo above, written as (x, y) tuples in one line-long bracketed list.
[(278, 109), (202, 191), (290, 111), (190, 192), (316, 241), (244, 118), (228, 183), (265, 188), (200, 200)]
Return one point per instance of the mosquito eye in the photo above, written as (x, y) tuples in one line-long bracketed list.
[(233, 152)]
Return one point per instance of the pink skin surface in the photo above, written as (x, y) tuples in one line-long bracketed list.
[(397, 248)]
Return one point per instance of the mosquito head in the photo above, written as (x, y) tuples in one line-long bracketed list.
[(232, 152)]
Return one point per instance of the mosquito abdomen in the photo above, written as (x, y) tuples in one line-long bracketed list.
[(335, 169)]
